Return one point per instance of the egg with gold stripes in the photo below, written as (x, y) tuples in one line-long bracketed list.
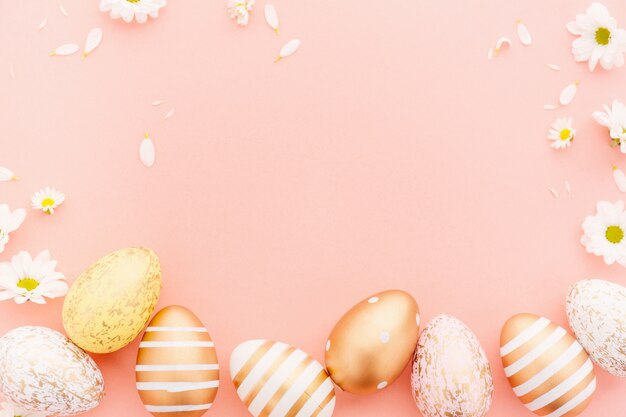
[(274, 379), (177, 369), (547, 368)]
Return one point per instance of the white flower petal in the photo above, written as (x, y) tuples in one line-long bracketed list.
[(553, 67), (7, 175), (157, 102), (63, 11), (66, 49), (170, 113), (553, 192), (550, 106), (271, 17), (490, 53), (501, 43), (289, 49), (147, 151), (43, 23), (568, 93), (523, 34), (94, 37), (11, 71), (620, 179), (568, 187)]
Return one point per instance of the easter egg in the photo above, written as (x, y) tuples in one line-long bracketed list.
[(596, 311), (111, 302), (177, 370), (41, 370), (372, 343), (451, 374), (277, 380), (548, 369)]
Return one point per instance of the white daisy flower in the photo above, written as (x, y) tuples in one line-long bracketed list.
[(47, 199), (129, 9), (614, 119), (26, 279), (600, 39), (9, 222), (562, 133), (240, 9), (11, 410), (604, 232)]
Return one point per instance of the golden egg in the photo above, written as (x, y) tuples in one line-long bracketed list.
[(111, 302), (372, 343)]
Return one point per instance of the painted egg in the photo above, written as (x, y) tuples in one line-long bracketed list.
[(451, 374), (41, 370), (548, 369), (373, 342), (277, 380), (596, 311), (177, 370), (111, 302)]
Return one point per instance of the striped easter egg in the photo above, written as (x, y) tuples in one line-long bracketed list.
[(274, 379), (548, 369), (177, 369)]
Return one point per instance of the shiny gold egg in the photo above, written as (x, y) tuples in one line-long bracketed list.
[(111, 302), (372, 343)]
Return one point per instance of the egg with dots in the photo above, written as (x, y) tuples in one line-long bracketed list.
[(373, 342), (111, 302), (451, 374), (547, 368), (274, 379), (177, 370)]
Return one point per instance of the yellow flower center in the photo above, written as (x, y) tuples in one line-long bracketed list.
[(47, 202), (565, 134), (133, 1), (28, 284), (614, 234), (603, 36)]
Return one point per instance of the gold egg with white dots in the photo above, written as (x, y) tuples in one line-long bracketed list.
[(372, 343)]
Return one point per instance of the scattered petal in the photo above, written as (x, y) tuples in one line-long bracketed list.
[(620, 179), (523, 34), (500, 43), (170, 113), (43, 23), (568, 93), (146, 151), (157, 102), (62, 9), (67, 49), (550, 106), (11, 71), (93, 40), (553, 67), (289, 49), (271, 17), (568, 187), (7, 175), (490, 53), (553, 191)]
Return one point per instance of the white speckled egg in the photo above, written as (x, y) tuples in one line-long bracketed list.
[(596, 311), (42, 370), (451, 375)]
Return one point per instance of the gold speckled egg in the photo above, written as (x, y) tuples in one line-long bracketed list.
[(41, 370), (451, 374), (547, 368), (111, 302), (372, 343)]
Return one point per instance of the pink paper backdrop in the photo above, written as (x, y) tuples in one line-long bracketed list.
[(387, 153)]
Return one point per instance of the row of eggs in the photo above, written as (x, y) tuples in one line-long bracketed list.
[(177, 370)]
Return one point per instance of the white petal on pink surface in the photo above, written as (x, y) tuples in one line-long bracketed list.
[(64, 50), (568, 93), (94, 37), (43, 23), (523, 34), (501, 43), (289, 49), (620, 179), (12, 71), (490, 53), (157, 102), (147, 152), (568, 187), (7, 175), (553, 67), (170, 113), (63, 11), (550, 106), (271, 17), (553, 192)]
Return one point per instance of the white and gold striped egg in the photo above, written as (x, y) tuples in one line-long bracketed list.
[(274, 379), (547, 368), (177, 370)]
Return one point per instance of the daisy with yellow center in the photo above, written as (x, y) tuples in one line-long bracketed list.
[(26, 279), (10, 221), (129, 10), (600, 40), (604, 232), (614, 119), (240, 9), (562, 133), (47, 200)]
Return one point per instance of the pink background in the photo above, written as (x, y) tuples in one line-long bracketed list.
[(387, 153)]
